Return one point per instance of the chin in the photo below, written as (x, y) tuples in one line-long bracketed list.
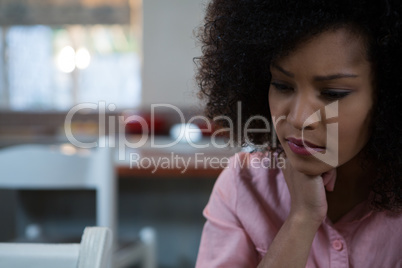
[(311, 168)]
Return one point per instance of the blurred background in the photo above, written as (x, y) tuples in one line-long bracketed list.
[(124, 56)]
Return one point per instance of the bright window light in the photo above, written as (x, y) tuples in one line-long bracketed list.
[(82, 58), (66, 60)]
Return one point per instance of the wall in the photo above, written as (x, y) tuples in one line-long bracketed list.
[(169, 46)]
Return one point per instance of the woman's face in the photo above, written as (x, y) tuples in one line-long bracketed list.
[(320, 97)]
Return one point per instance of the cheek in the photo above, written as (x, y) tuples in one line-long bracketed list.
[(275, 109), (276, 118), (353, 134)]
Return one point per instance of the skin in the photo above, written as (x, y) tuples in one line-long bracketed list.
[(331, 53), (296, 94)]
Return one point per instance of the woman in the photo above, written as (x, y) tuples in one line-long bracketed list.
[(326, 75)]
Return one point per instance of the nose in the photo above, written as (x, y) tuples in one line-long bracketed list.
[(303, 113)]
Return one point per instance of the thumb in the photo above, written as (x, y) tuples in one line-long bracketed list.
[(329, 179)]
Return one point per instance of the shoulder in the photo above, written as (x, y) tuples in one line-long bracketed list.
[(254, 168), (252, 177), (252, 192)]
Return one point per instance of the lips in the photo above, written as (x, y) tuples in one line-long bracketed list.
[(298, 147)]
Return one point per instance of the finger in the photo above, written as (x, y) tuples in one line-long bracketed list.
[(329, 179), (285, 168)]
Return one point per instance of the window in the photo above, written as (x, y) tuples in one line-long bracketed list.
[(46, 65)]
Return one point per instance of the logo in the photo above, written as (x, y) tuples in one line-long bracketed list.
[(330, 156)]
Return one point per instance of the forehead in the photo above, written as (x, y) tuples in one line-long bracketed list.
[(330, 51)]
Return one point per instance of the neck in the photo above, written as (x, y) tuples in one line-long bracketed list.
[(351, 188)]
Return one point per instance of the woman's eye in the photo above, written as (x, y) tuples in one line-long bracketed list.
[(334, 95), (281, 87)]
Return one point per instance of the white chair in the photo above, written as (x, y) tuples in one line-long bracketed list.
[(94, 251), (62, 167)]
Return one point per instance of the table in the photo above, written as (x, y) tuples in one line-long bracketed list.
[(181, 160)]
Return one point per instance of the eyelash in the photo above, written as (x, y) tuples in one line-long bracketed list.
[(327, 94), (334, 95), (281, 87)]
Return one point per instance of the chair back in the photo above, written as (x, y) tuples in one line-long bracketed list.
[(38, 166), (94, 251)]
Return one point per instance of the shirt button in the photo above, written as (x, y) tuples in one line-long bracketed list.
[(337, 245)]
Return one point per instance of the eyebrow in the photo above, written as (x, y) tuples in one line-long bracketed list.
[(316, 78), (279, 68), (334, 76)]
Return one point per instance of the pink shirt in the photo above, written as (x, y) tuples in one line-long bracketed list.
[(249, 204)]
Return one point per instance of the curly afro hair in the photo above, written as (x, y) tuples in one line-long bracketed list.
[(240, 39)]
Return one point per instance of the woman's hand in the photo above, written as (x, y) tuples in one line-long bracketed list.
[(308, 198), (292, 244)]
